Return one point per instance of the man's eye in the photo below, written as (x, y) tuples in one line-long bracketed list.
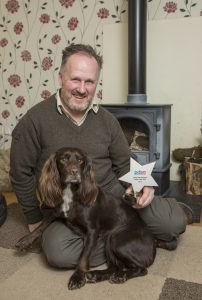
[(89, 82)]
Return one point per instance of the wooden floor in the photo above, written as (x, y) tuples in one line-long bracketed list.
[(198, 224), (11, 198)]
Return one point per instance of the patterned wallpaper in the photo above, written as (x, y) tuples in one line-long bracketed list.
[(33, 34)]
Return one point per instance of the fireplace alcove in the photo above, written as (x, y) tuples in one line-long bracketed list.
[(153, 121)]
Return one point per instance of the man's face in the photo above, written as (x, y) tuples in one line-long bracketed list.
[(78, 80)]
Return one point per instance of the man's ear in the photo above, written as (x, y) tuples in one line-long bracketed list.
[(60, 78)]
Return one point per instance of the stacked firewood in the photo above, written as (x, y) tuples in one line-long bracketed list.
[(190, 169)]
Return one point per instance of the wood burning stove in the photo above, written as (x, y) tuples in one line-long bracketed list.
[(154, 122), (146, 126)]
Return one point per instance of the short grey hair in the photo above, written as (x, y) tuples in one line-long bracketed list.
[(80, 48)]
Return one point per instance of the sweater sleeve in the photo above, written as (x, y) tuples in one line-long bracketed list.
[(119, 150), (25, 150)]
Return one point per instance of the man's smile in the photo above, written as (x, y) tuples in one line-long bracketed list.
[(79, 95)]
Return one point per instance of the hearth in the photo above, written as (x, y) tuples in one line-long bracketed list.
[(146, 126)]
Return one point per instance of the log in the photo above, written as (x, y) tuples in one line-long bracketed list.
[(180, 153), (193, 177)]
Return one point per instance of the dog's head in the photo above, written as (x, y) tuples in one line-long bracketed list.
[(70, 164), (67, 166)]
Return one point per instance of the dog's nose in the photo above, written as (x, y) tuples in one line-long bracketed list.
[(74, 171)]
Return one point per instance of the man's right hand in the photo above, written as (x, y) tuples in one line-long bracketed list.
[(32, 227)]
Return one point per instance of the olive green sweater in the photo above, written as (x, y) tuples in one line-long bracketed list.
[(43, 130)]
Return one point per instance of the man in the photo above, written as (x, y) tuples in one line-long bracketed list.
[(70, 118), (3, 209)]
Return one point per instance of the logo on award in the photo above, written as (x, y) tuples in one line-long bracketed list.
[(139, 176)]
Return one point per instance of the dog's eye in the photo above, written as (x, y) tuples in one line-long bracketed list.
[(80, 160), (64, 158)]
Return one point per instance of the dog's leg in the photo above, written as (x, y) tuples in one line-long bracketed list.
[(26, 242), (100, 275), (123, 275), (78, 279), (114, 275)]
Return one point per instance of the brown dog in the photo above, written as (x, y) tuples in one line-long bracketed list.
[(68, 185)]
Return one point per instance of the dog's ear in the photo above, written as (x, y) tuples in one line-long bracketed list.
[(88, 188), (49, 183)]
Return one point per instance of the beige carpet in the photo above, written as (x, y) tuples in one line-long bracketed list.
[(175, 275)]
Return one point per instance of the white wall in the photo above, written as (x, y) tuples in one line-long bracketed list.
[(174, 74)]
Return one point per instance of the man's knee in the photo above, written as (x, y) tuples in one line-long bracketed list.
[(60, 250), (169, 229), (165, 218), (58, 257)]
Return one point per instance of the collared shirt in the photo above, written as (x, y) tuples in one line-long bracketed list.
[(94, 106)]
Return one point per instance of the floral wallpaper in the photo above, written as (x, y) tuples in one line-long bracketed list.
[(33, 34)]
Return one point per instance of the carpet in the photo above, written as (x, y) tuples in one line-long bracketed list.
[(175, 275), (174, 289), (14, 228)]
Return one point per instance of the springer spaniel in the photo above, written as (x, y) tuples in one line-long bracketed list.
[(67, 184)]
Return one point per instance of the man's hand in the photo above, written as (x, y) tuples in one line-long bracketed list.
[(32, 227), (144, 198)]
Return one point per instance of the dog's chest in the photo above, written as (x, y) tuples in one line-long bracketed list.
[(67, 200)]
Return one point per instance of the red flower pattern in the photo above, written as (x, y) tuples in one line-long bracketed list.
[(18, 27), (170, 7), (47, 63), (45, 94), (5, 114), (20, 101), (44, 18), (72, 24), (99, 94), (66, 3), (103, 13), (14, 80), (26, 55), (12, 6), (3, 42), (56, 39)]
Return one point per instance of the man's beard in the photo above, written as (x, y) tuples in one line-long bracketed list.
[(74, 107)]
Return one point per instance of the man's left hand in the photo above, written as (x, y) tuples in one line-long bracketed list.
[(144, 198)]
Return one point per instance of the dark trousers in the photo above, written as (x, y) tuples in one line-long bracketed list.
[(62, 247)]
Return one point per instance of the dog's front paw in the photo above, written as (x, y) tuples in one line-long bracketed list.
[(118, 277), (25, 243), (77, 280), (92, 277)]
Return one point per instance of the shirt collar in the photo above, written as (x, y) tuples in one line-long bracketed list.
[(60, 107)]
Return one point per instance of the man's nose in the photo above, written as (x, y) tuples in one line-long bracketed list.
[(81, 87)]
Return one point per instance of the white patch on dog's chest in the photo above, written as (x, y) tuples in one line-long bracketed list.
[(67, 198)]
